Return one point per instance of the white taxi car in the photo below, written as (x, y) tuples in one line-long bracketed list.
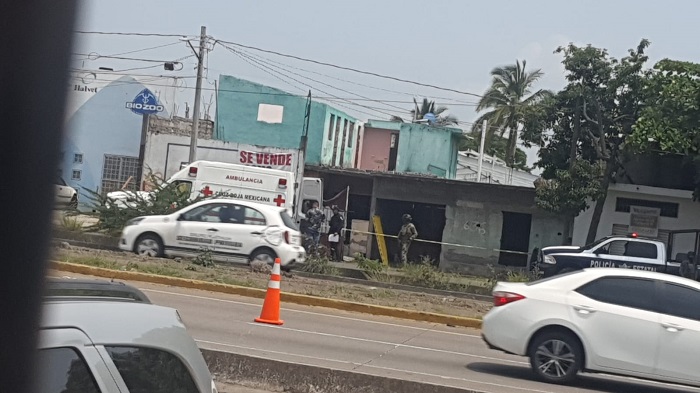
[(231, 230), (610, 320)]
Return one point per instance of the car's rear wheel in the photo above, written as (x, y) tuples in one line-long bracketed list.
[(149, 245), (556, 357), (263, 255)]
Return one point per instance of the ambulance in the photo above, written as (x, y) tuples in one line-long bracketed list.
[(208, 179)]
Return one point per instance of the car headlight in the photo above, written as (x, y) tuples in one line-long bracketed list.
[(550, 260), (134, 221)]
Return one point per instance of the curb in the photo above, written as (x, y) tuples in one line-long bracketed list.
[(294, 298), (298, 377)]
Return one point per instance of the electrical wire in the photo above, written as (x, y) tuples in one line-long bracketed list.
[(146, 49), (132, 34), (350, 69), (325, 84), (464, 103), (312, 87)]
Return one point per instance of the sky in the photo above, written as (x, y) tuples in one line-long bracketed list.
[(451, 44)]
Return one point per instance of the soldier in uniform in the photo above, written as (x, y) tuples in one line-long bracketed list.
[(406, 235)]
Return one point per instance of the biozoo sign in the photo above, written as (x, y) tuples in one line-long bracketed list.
[(145, 103)]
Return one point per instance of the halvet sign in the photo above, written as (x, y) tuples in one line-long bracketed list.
[(145, 103)]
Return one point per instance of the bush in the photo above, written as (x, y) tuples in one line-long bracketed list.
[(374, 270), (320, 266), (427, 275), (204, 258), (508, 275), (72, 223), (112, 217)]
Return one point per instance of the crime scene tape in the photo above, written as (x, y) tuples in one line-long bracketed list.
[(441, 243)]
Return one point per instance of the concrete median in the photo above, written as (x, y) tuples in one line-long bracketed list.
[(305, 300), (275, 375)]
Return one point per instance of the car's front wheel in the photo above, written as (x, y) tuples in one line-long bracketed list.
[(149, 245), (556, 357)]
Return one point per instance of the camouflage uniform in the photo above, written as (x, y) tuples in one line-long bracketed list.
[(406, 235)]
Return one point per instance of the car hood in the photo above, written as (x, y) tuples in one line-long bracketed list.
[(562, 250)]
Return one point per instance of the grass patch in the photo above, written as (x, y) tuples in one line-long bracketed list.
[(320, 266), (71, 223)]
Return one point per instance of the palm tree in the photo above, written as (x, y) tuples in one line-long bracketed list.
[(508, 97), (426, 107)]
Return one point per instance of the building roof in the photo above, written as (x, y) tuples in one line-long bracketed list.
[(396, 126), (413, 176)]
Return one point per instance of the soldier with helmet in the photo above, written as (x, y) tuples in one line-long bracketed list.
[(407, 234)]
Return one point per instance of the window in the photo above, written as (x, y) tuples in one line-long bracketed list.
[(680, 301), (668, 209), (634, 249), (330, 127), (183, 187), (118, 172), (149, 370), (352, 129), (63, 370), (288, 221), (226, 213), (76, 175), (78, 158), (622, 291)]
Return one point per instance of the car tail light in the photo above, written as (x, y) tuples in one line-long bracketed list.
[(282, 183), (193, 171), (503, 298), (286, 237)]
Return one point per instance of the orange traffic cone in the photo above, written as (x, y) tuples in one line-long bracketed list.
[(271, 307)]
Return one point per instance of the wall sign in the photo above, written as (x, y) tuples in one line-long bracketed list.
[(145, 103), (644, 220)]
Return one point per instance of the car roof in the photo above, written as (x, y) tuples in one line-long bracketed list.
[(128, 324), (618, 272), (92, 288)]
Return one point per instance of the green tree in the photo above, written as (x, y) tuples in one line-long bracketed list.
[(670, 123), (590, 121), (508, 99), (497, 148), (427, 106)]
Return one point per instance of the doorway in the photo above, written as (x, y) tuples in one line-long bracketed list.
[(515, 236)]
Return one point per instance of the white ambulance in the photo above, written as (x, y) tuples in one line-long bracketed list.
[(254, 184)]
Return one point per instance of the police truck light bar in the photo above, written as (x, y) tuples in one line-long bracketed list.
[(634, 235)]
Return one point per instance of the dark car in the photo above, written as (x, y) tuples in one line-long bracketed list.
[(83, 289)]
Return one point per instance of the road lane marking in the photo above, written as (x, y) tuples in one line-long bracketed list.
[(313, 313), (397, 345), (444, 377)]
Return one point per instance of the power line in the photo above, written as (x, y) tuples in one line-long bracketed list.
[(325, 84), (146, 49), (349, 69), (368, 86), (311, 87), (132, 34)]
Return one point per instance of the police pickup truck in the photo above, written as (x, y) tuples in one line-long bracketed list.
[(627, 252)]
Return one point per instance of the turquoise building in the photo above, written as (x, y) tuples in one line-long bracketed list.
[(256, 114)]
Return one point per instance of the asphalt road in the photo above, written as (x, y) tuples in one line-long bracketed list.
[(366, 344)]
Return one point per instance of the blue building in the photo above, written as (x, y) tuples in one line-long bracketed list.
[(103, 133), (255, 114)]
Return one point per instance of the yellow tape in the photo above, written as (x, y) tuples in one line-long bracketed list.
[(382, 235)]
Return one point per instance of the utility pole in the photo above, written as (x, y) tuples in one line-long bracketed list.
[(197, 93), (481, 151)]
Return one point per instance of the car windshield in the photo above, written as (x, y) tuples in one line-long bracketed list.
[(288, 221), (596, 243)]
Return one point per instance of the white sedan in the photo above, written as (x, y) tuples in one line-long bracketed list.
[(617, 321), (65, 195), (228, 229)]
